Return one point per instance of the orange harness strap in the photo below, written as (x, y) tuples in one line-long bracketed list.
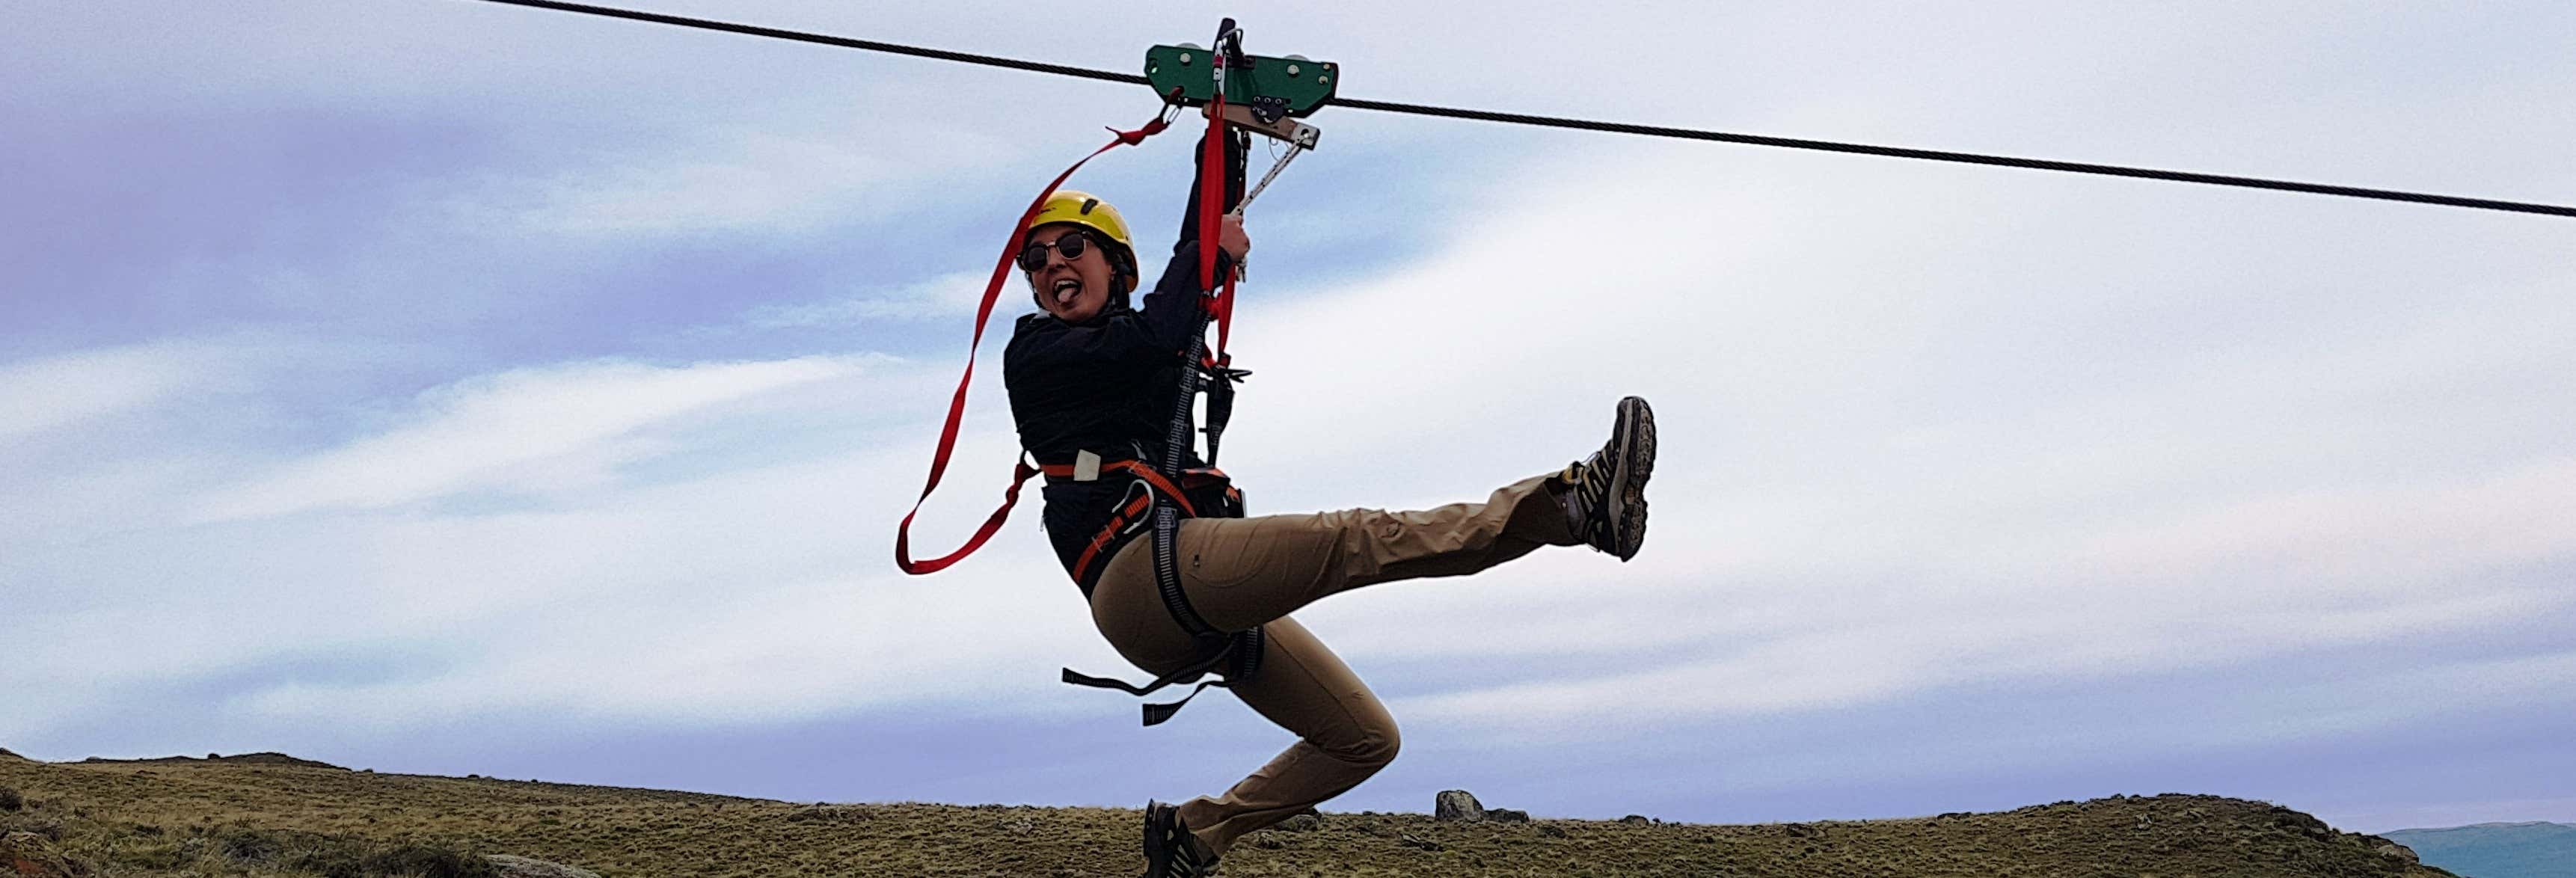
[(1128, 514)]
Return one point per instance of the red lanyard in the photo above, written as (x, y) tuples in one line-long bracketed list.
[(957, 402)]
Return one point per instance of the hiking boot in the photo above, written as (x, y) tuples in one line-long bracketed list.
[(1170, 850), (1605, 494)]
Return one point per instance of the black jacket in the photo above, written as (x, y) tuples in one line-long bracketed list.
[(1108, 385)]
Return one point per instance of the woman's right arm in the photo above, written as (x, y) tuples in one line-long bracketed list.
[(1169, 309)]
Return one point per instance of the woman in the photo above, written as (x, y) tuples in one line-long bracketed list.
[(1093, 380)]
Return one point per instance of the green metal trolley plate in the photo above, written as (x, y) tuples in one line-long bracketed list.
[(1297, 85)]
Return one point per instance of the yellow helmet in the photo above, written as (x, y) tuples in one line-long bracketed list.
[(1082, 209)]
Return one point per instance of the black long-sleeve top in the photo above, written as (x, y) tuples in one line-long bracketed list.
[(1108, 385)]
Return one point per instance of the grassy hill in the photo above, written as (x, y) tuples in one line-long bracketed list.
[(271, 815), (2498, 850)]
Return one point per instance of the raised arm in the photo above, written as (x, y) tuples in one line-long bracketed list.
[(1160, 326), (1237, 145)]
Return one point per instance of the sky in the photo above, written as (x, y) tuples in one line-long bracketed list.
[(443, 387)]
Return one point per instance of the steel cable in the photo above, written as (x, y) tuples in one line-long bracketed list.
[(1589, 124)]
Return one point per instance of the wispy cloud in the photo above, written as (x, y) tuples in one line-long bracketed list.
[(63, 390), (2365, 537), (945, 297), (762, 547), (524, 431), (734, 180)]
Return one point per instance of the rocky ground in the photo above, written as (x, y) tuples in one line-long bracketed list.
[(270, 815)]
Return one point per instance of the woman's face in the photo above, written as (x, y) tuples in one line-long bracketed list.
[(1074, 290)]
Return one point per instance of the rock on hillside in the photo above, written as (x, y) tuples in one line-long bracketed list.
[(230, 818), (1457, 805)]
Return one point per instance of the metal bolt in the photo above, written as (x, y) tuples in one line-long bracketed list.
[(1292, 69), (1185, 57)]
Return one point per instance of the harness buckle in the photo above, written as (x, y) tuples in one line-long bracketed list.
[(1152, 500)]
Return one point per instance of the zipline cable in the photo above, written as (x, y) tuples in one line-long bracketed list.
[(828, 40), (1964, 157), (1587, 124)]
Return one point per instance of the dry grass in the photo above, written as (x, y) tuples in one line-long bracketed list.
[(241, 816)]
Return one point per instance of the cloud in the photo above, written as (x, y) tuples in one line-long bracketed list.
[(746, 581), (1825, 664), (532, 430), (736, 180), (60, 391), (2368, 535), (947, 296), (1825, 539)]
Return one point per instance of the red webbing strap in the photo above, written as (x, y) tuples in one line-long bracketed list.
[(1213, 172), (1108, 532), (957, 402)]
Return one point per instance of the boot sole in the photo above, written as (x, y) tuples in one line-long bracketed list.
[(1635, 434)]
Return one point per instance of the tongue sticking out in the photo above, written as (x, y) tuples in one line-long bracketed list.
[(1065, 291)]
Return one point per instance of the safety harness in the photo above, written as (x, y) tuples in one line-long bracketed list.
[(1163, 492)]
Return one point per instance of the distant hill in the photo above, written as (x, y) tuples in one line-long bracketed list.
[(280, 817), (2497, 850), (241, 758)]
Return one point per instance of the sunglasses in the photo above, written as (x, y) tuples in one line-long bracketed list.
[(1072, 245)]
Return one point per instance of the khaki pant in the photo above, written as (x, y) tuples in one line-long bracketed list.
[(1241, 572)]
